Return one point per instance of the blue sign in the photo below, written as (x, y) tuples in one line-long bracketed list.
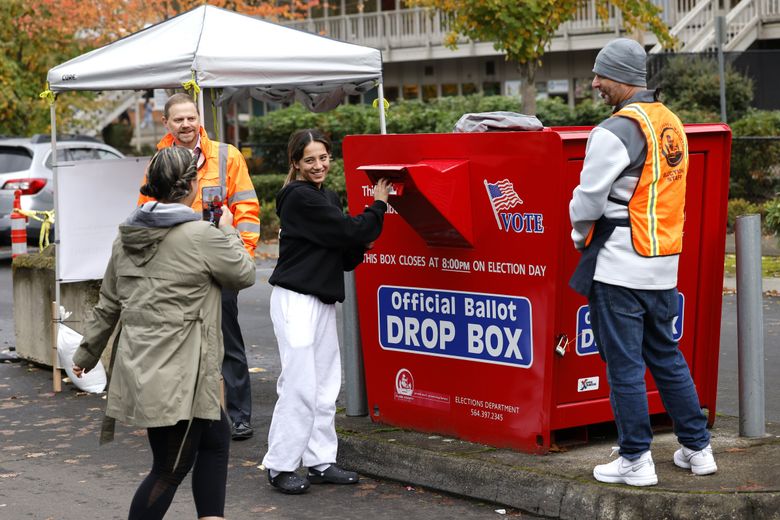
[(486, 328), (586, 341)]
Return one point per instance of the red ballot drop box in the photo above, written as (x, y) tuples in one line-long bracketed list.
[(467, 322)]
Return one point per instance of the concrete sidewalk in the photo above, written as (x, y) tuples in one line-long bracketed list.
[(561, 485)]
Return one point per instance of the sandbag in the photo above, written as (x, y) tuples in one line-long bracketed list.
[(497, 122), (68, 341)]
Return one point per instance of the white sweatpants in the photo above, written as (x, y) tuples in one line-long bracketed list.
[(303, 427)]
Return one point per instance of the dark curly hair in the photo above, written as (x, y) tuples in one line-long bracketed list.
[(170, 174)]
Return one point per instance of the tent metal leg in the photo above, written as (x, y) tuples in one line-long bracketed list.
[(55, 311)]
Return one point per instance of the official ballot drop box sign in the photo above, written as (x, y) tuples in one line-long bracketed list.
[(464, 297)]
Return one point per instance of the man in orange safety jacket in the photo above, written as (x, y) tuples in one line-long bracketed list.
[(627, 217), (221, 165)]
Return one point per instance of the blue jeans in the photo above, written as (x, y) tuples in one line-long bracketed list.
[(633, 328)]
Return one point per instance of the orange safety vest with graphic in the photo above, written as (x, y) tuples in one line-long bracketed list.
[(657, 207)]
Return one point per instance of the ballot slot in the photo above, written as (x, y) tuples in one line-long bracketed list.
[(432, 196)]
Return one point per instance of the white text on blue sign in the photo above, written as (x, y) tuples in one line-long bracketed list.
[(486, 328), (586, 340)]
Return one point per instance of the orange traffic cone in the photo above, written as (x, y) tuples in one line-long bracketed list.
[(18, 228)]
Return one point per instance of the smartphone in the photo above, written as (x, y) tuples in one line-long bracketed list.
[(211, 197)]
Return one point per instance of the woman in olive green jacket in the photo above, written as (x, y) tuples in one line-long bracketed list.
[(162, 286)]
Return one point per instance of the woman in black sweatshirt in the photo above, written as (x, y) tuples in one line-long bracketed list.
[(317, 243)]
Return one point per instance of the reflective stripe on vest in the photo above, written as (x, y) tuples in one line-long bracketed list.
[(223, 158), (657, 206)]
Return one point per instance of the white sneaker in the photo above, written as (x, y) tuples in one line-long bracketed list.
[(700, 462), (639, 472)]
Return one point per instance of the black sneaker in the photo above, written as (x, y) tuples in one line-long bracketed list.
[(241, 431), (289, 482), (333, 475)]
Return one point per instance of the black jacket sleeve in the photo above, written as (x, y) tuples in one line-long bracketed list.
[(310, 215)]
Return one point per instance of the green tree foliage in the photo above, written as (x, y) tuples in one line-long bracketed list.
[(269, 133), (755, 157), (522, 30), (36, 35), (690, 85)]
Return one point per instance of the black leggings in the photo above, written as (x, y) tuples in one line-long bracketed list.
[(206, 448)]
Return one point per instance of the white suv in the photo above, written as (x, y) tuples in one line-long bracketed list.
[(25, 164)]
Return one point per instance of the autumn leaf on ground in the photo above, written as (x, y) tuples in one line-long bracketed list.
[(255, 370), (34, 455), (248, 463), (735, 450)]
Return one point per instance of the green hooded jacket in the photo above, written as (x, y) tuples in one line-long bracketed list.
[(163, 286)]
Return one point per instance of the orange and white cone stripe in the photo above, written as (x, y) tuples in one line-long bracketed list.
[(18, 228)]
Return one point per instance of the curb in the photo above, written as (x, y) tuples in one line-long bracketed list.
[(539, 493)]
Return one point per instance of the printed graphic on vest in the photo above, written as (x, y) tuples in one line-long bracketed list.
[(503, 201), (485, 328), (586, 341), (671, 146)]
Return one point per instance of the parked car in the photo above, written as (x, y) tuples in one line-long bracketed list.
[(25, 165)]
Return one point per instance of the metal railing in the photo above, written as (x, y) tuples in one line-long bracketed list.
[(691, 21)]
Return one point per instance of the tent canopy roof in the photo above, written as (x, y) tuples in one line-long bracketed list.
[(222, 48)]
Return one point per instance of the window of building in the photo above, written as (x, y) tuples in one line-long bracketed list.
[(391, 93), (468, 89), (490, 68), (429, 92), (258, 108), (583, 88), (541, 90), (371, 95), (449, 89), (428, 70), (353, 6), (411, 92), (491, 88)]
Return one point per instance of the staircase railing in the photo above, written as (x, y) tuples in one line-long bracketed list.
[(107, 107), (740, 22), (692, 27)]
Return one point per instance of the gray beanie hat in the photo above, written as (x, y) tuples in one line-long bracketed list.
[(623, 60)]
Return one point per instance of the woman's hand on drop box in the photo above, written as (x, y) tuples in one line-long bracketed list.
[(227, 217), (382, 190)]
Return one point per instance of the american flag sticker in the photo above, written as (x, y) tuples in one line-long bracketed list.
[(502, 197)]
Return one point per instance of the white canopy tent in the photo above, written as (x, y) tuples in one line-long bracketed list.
[(222, 49), (209, 47)]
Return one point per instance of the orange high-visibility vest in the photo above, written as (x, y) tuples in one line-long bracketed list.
[(225, 166), (657, 207)]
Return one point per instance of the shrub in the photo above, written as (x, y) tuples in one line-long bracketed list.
[(267, 185), (269, 220), (755, 163), (737, 207), (692, 82), (772, 220), (335, 180)]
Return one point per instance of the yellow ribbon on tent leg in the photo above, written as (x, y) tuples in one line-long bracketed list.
[(46, 218), (385, 102), (192, 87), (48, 95)]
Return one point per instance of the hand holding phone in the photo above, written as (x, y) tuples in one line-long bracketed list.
[(227, 217), (211, 198)]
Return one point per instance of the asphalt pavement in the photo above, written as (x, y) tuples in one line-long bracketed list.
[(52, 468)]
